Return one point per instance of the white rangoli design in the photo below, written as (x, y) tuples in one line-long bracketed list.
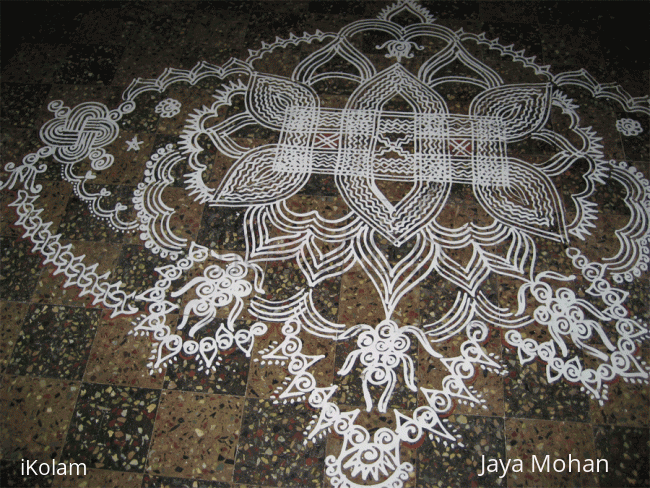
[(396, 125), (629, 127), (168, 108), (133, 144)]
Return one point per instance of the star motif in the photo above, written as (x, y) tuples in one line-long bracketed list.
[(134, 144)]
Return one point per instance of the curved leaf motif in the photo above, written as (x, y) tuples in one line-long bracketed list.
[(254, 180), (529, 201), (269, 98), (519, 109)]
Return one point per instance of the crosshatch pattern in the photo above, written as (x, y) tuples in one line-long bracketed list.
[(312, 244)]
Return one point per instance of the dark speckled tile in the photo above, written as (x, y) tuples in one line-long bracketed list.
[(35, 416), (169, 482), (89, 65), (488, 384), (21, 104), (636, 147), (266, 379), (8, 215), (19, 269), (105, 25), (221, 228), (440, 465), (627, 403), (111, 427), (54, 342), (34, 63), (208, 425), (627, 450), (135, 267), (272, 452), (79, 223), (12, 315), (144, 61), (11, 475)]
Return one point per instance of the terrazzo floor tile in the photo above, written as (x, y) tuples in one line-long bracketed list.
[(359, 303), (118, 358), (19, 269), (129, 164), (111, 427), (21, 104), (12, 475), (221, 228), (12, 315), (105, 26), (462, 466), (210, 424), (627, 451), (89, 65), (144, 61), (8, 215), (637, 146), (532, 440), (33, 63), (528, 393), (54, 342), (272, 450), (95, 478), (135, 267), (54, 197), (36, 415)]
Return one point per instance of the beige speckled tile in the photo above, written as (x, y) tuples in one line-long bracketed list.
[(36, 416), (94, 478), (51, 288), (118, 358), (360, 302), (208, 428), (532, 440)]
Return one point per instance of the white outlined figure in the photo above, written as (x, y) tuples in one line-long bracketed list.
[(394, 126)]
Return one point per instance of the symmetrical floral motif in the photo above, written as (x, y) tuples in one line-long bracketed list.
[(168, 108), (629, 127), (392, 126)]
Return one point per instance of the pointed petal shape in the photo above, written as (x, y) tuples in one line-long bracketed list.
[(269, 97), (528, 201), (520, 109), (255, 179)]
